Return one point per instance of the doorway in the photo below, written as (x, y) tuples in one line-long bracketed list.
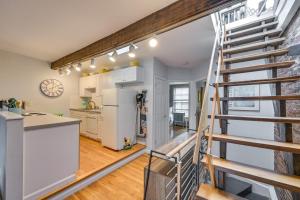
[(179, 108), (161, 112)]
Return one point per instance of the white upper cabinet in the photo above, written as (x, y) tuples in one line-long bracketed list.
[(128, 75), (94, 84), (87, 86)]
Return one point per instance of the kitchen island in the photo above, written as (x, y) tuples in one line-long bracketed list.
[(50, 153)]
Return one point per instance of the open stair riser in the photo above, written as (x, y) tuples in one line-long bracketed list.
[(261, 81), (261, 98), (256, 56), (251, 24), (254, 46), (260, 143), (252, 30), (260, 119), (253, 38), (256, 173), (256, 68)]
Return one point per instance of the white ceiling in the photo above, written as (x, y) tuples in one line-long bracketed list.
[(50, 29), (187, 46)]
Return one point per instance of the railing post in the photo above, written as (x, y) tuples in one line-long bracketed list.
[(179, 178)]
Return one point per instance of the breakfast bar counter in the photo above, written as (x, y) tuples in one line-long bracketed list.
[(42, 152)]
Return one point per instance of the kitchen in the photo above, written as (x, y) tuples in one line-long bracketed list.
[(111, 99)]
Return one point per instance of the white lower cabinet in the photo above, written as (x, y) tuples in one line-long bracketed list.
[(90, 124)]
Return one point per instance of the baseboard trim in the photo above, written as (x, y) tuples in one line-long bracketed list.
[(35, 195), (84, 183)]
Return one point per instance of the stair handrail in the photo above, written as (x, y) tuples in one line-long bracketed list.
[(203, 120)]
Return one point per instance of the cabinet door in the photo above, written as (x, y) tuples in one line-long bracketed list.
[(129, 74), (83, 124), (92, 125), (91, 81)]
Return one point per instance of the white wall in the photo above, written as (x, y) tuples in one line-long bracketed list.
[(20, 77), (285, 11)]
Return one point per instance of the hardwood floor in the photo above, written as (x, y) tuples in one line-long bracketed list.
[(125, 183), (94, 158), (177, 130)]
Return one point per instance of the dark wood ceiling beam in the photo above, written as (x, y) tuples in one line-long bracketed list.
[(172, 16)]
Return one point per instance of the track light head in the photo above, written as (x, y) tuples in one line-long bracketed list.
[(93, 66), (78, 67)]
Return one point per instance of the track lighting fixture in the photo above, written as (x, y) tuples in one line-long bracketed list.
[(93, 66), (78, 67), (60, 72), (112, 57), (131, 52), (153, 42), (68, 71)]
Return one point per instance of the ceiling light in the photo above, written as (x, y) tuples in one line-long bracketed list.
[(68, 71), (153, 42), (60, 72), (78, 67), (131, 53), (112, 57), (93, 66)]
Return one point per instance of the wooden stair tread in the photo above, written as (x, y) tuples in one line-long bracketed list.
[(255, 173), (260, 143), (258, 67), (252, 30), (261, 98), (254, 46), (261, 81), (208, 192), (255, 56), (259, 118), (253, 37), (250, 24)]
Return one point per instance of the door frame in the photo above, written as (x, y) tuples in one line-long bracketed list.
[(154, 106), (183, 82)]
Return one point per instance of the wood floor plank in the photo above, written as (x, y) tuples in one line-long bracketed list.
[(124, 183)]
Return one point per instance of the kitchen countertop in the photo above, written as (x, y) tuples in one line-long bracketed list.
[(10, 116), (84, 110), (47, 121)]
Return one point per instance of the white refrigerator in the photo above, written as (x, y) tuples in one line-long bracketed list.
[(119, 116)]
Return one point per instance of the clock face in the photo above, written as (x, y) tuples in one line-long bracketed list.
[(52, 88)]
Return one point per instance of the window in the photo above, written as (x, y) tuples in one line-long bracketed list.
[(181, 100)]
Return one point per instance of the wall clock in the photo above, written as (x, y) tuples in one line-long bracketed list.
[(52, 88)]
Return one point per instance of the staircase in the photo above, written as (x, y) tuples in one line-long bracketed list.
[(261, 34)]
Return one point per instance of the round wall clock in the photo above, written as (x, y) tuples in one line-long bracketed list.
[(52, 88)]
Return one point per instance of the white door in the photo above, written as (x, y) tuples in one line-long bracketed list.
[(161, 117)]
